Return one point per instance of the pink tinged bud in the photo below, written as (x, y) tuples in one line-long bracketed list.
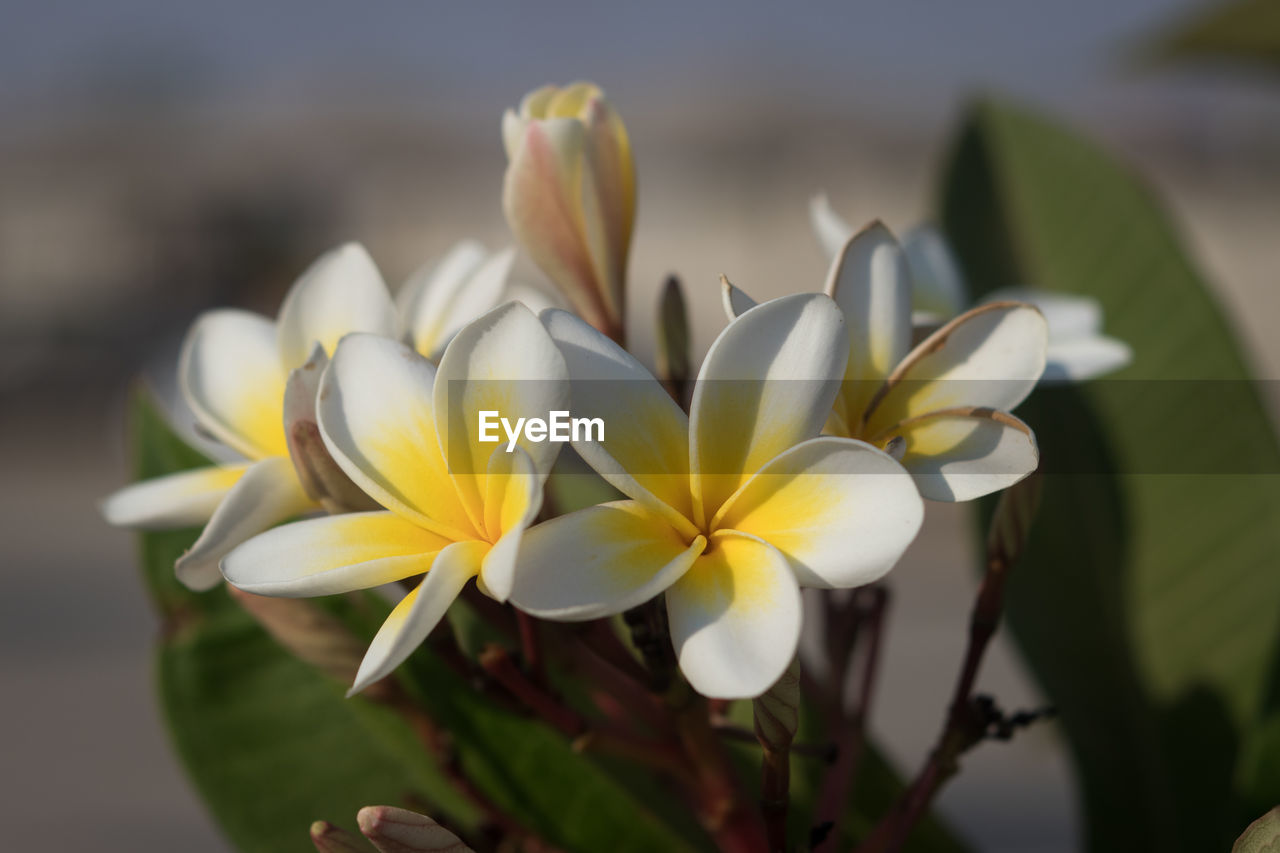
[(331, 839), (394, 830), (569, 196), (321, 478)]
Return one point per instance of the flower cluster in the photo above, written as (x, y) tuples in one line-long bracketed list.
[(816, 427)]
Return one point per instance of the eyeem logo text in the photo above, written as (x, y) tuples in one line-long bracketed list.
[(557, 427)]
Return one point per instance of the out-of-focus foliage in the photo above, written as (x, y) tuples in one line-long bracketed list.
[(1239, 30), (1146, 603)]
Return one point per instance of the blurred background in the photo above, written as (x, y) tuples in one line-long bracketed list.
[(157, 159)]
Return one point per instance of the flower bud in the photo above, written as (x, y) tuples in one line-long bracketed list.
[(569, 196), (319, 474)]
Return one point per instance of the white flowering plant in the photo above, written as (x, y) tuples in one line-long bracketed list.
[(480, 562)]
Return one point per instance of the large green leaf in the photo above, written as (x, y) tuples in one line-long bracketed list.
[(1237, 30), (1148, 600), (272, 745)]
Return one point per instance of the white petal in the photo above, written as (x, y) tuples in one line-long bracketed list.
[(419, 611), (184, 499), (341, 292), (598, 561), (1085, 358), (841, 511), (1068, 315), (427, 286), (767, 383), (504, 362), (829, 227), (455, 295), (376, 418), (870, 282), (988, 357), (962, 454), (735, 301), (513, 497), (267, 494), (735, 617), (937, 285), (231, 377), (535, 299), (330, 555), (645, 452)]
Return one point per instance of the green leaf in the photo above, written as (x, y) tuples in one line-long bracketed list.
[(1261, 836), (1241, 30), (1146, 601), (534, 775)]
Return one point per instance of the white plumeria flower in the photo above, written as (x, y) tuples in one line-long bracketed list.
[(733, 507), (404, 431), (441, 297), (1077, 348), (942, 406), (569, 195), (234, 373)]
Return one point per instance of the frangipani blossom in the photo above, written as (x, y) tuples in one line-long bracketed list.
[(250, 382), (441, 297), (569, 196), (405, 432), (942, 406), (1077, 348), (731, 508)]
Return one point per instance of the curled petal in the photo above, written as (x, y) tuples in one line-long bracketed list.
[(231, 377), (267, 494), (735, 617), (341, 292), (419, 611), (766, 384), (184, 499), (831, 229), (988, 357), (735, 301), (326, 556), (962, 454), (599, 561), (841, 511)]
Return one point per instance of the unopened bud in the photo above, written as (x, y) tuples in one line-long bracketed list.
[(311, 634), (332, 839), (777, 711), (394, 830), (1011, 521), (319, 474), (673, 359)]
